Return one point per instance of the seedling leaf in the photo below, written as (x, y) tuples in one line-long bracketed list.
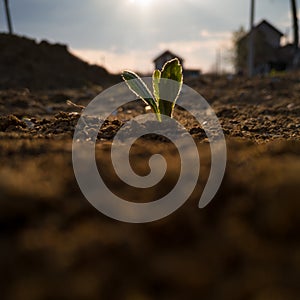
[(171, 70), (139, 88), (155, 82), (165, 91)]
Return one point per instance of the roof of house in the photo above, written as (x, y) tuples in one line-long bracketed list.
[(167, 52), (256, 27), (270, 25)]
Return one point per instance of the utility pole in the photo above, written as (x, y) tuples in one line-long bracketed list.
[(251, 41), (8, 18), (295, 24)]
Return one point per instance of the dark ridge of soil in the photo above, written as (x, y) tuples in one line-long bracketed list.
[(24, 63)]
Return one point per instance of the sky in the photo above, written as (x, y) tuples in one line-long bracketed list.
[(129, 34)]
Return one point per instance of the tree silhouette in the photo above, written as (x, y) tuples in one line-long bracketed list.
[(295, 23), (8, 18)]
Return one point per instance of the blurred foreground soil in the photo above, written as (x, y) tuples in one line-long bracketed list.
[(244, 245)]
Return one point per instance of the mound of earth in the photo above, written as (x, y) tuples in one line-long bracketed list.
[(25, 63)]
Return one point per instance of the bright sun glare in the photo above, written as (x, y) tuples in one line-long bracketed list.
[(141, 2)]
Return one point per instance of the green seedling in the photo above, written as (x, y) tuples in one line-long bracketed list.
[(172, 70)]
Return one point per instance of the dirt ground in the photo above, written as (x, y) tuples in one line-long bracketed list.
[(244, 245)]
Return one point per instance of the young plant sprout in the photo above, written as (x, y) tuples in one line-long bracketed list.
[(171, 70)]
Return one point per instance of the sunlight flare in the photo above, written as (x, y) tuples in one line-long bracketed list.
[(141, 2)]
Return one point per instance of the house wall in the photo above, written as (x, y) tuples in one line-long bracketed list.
[(272, 37), (264, 53), (162, 60), (266, 50)]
